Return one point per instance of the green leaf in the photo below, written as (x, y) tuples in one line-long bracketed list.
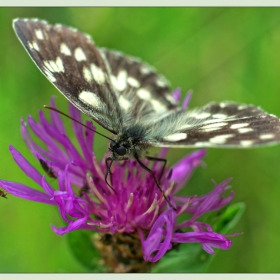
[(227, 220), (81, 244), (191, 257), (187, 258)]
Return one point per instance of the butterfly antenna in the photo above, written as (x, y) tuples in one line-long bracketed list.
[(56, 110)]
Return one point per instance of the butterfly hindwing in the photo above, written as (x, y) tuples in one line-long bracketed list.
[(225, 124), (138, 85)]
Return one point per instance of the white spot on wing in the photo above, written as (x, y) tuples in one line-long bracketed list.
[(219, 124), (79, 54), (246, 143), (219, 116), (145, 70), (170, 98), (64, 49), (34, 46), (133, 82), (49, 75), (238, 125), (241, 107), (144, 94), (114, 81), (124, 103), (176, 137), (266, 136), (245, 129), (87, 74), (73, 29), (89, 98), (211, 121), (158, 107), (97, 73), (39, 34), (160, 83), (220, 139), (59, 64), (54, 66), (48, 65), (120, 82), (202, 144), (202, 115)]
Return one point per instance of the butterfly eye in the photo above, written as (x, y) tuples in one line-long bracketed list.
[(121, 151)]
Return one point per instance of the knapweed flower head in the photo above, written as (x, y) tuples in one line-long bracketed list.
[(133, 221)]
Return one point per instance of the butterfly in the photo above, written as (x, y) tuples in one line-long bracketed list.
[(131, 100)]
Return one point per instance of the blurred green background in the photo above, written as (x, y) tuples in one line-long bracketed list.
[(220, 53)]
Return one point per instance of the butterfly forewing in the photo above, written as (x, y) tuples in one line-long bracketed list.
[(217, 125), (71, 61)]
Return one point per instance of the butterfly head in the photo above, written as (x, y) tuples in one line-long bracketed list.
[(125, 146), (118, 150)]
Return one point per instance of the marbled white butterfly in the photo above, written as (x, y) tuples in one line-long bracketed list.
[(129, 99)]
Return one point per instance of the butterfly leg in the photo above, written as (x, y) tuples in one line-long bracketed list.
[(109, 161), (155, 179), (163, 166)]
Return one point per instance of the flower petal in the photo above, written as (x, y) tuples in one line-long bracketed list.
[(207, 240), (183, 169), (187, 99), (177, 94), (73, 225), (25, 192), (25, 166), (162, 228)]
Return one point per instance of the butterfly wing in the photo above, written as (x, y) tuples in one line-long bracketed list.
[(72, 62), (111, 88), (141, 90), (216, 125)]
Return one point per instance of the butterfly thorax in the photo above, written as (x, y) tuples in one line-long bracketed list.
[(126, 144)]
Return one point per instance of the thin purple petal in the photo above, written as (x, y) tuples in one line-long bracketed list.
[(177, 94), (208, 240), (25, 166), (187, 99), (25, 192), (183, 169)]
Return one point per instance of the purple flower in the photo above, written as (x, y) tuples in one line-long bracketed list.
[(134, 208)]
